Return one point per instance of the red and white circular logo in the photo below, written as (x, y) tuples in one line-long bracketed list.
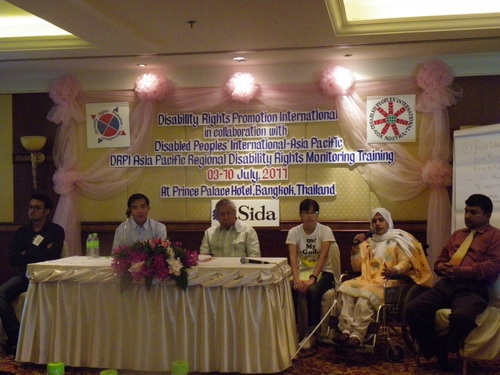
[(391, 119)]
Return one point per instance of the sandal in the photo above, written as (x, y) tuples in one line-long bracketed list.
[(341, 339), (353, 343)]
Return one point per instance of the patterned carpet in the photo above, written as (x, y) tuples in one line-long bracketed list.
[(321, 360)]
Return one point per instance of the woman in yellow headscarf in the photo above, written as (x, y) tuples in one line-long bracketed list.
[(388, 253)]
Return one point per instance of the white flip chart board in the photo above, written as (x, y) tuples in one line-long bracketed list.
[(476, 170)]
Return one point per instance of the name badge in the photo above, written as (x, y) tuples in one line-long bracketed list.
[(37, 240)]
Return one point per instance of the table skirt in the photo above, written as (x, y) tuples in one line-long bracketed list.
[(246, 329)]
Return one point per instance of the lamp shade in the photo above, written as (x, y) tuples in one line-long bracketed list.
[(33, 143)]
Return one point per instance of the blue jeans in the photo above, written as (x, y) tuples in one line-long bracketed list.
[(8, 292)]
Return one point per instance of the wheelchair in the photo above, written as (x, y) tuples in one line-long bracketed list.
[(389, 323)]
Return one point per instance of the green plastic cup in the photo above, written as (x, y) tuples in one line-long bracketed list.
[(55, 368), (179, 368)]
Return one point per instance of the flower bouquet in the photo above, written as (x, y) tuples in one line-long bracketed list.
[(156, 258)]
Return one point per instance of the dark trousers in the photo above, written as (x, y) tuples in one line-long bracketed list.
[(8, 292), (308, 305), (466, 298)]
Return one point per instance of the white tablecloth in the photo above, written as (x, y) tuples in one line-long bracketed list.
[(232, 318)]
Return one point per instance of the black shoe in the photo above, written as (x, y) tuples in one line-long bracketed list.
[(341, 339), (353, 343)]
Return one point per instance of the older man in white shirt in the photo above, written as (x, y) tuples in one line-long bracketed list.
[(230, 237)]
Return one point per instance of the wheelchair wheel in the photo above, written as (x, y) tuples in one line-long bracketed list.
[(413, 292), (396, 355)]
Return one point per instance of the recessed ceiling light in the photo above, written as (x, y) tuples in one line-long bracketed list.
[(142, 65), (239, 59)]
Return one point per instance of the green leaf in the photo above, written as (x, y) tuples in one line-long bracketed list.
[(182, 280), (125, 281), (149, 283)]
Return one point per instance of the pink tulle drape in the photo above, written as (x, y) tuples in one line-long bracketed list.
[(404, 180)]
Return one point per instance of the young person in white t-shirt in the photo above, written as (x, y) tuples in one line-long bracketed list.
[(312, 275)]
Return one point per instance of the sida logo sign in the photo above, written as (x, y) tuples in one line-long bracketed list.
[(255, 212), (391, 119)]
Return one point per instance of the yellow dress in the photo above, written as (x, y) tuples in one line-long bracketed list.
[(398, 249)]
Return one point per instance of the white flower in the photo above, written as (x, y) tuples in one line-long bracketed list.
[(136, 267), (175, 266)]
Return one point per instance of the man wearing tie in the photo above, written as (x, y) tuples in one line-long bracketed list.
[(467, 265)]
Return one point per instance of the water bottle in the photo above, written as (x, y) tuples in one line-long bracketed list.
[(88, 246), (95, 248)]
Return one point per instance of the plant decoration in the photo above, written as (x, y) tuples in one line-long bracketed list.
[(144, 261)]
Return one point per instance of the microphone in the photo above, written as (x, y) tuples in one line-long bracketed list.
[(244, 260), (367, 235)]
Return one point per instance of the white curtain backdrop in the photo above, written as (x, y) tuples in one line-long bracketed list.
[(403, 180)]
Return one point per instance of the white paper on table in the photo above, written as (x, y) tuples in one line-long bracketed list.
[(204, 257)]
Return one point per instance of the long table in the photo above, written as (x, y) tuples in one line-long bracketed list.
[(233, 317)]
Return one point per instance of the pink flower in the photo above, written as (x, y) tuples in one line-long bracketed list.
[(437, 173), (155, 258), (242, 87), (64, 89), (151, 87), (435, 78), (336, 81), (434, 75)]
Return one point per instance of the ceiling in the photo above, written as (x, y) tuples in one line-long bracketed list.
[(116, 35)]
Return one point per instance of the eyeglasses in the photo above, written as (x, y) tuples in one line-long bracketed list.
[(35, 208), (309, 212)]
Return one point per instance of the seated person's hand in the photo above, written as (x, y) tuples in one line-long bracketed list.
[(302, 286), (390, 272), (447, 270), (358, 238)]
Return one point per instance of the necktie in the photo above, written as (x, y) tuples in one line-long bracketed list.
[(456, 259)]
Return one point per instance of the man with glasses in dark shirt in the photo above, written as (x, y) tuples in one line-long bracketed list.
[(38, 241)]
